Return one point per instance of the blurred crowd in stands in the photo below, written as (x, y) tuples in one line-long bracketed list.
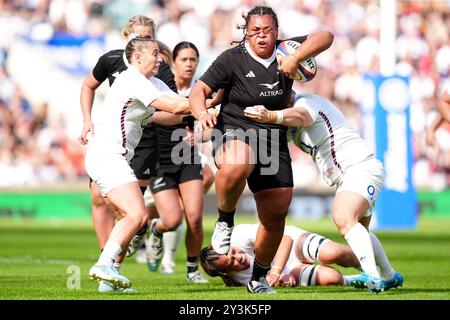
[(35, 148)]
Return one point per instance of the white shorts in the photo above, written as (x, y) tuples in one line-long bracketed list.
[(365, 178), (108, 170)]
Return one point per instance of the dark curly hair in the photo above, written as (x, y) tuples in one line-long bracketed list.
[(207, 257), (256, 11)]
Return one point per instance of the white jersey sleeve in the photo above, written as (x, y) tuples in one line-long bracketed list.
[(303, 102), (126, 112), (148, 90), (244, 237), (331, 140)]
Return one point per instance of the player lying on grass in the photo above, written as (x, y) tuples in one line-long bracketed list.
[(294, 263), (344, 160)]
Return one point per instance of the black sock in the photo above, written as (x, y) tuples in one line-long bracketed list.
[(142, 231), (227, 217), (192, 264), (155, 233), (259, 271)]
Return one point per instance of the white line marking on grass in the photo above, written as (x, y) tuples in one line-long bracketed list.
[(31, 260)]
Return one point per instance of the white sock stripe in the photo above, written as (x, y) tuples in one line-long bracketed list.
[(316, 254), (192, 264), (308, 244), (308, 275), (311, 246)]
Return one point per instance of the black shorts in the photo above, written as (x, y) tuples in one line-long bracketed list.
[(273, 162), (170, 176), (146, 155)]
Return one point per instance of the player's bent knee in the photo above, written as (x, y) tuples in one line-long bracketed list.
[(233, 174), (344, 223), (172, 223), (327, 276), (196, 226), (97, 199)]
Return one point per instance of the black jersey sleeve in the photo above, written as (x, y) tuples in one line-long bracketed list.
[(166, 76), (219, 73), (100, 71)]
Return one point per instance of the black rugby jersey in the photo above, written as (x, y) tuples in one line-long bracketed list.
[(169, 138), (247, 83), (111, 64)]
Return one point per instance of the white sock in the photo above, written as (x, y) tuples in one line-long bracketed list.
[(117, 266), (358, 239), (171, 241), (109, 253), (386, 270)]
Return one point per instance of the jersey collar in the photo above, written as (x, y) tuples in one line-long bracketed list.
[(265, 62)]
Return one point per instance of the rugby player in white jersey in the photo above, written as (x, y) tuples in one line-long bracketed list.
[(129, 106), (301, 259), (344, 161)]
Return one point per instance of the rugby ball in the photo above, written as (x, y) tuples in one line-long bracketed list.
[(306, 69)]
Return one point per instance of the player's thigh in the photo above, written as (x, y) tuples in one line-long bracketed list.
[(128, 199), (349, 205), (168, 206), (359, 189), (234, 152)]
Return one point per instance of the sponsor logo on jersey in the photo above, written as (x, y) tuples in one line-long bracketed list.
[(270, 85), (271, 93), (250, 74)]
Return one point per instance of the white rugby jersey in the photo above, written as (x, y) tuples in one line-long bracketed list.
[(119, 123), (244, 237), (331, 140)]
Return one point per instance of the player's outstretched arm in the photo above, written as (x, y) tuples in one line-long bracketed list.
[(291, 117), (280, 259), (197, 101), (172, 104), (87, 95), (314, 44), (165, 118)]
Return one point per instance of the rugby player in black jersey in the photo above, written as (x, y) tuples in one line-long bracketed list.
[(178, 185), (249, 152)]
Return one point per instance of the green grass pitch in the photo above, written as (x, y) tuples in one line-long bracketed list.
[(37, 259)]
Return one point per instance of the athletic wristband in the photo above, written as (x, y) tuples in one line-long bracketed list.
[(280, 117), (277, 268), (275, 273)]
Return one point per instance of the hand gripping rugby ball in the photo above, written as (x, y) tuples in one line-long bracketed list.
[(306, 69)]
